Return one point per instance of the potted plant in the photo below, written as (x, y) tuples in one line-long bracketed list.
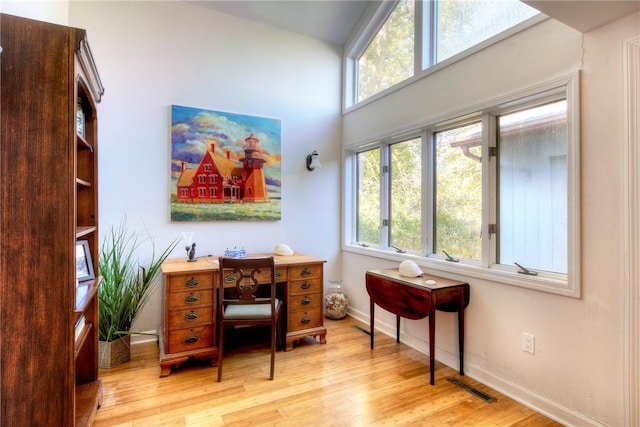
[(124, 290)]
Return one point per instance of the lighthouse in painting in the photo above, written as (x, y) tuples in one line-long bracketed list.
[(221, 179), (255, 185)]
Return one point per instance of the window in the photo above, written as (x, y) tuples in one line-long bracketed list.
[(368, 199), (405, 187), (407, 37), (533, 187), (462, 24), (494, 191), (389, 57), (458, 191)]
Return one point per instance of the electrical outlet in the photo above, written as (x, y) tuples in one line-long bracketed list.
[(528, 342)]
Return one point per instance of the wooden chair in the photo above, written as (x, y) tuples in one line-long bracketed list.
[(243, 277)]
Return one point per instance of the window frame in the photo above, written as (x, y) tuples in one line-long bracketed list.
[(487, 269), (371, 22)]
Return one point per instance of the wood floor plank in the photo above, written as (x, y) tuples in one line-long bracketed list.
[(340, 383)]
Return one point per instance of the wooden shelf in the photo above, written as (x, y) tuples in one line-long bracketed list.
[(48, 79), (82, 182), (88, 399), (85, 292), (82, 231), (81, 339), (83, 143)]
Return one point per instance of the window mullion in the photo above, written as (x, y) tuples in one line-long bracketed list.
[(489, 190), (385, 197), (428, 185), (425, 34)]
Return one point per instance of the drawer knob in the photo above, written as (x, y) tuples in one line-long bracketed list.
[(191, 339), (278, 274), (191, 316), (305, 285), (305, 272), (230, 278), (191, 283), (191, 298), (305, 300), (305, 320)]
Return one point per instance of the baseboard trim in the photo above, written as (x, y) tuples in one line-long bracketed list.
[(144, 337), (508, 388)]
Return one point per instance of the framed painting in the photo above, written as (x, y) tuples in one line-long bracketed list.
[(84, 263), (224, 166)]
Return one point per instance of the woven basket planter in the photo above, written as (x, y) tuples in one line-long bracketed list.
[(114, 353)]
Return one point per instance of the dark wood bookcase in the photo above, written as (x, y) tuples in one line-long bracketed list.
[(48, 203)]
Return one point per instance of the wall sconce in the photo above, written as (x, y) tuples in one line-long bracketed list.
[(313, 161)]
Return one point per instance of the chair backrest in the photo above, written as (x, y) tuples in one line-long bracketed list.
[(246, 275)]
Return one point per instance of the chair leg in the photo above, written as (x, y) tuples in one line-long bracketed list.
[(274, 337), (220, 350)]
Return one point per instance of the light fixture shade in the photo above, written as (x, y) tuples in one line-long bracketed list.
[(313, 161)]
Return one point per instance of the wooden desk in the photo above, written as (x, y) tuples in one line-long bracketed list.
[(411, 298), (190, 310)]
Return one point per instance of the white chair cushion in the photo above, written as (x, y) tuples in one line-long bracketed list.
[(247, 311)]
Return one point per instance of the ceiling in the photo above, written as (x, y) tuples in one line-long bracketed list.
[(585, 16), (333, 20), (327, 20)]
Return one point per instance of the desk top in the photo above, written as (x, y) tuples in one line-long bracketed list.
[(210, 263), (419, 282)]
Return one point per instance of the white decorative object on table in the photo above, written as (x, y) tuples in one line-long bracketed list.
[(235, 253), (282, 249), (410, 269)]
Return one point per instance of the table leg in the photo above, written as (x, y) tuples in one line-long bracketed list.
[(432, 344), (371, 320), (398, 328), (461, 332)]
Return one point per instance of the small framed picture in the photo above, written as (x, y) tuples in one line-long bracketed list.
[(84, 264)]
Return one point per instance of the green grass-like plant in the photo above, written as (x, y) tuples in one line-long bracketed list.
[(126, 284)]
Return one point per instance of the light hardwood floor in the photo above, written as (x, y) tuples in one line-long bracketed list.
[(340, 383)]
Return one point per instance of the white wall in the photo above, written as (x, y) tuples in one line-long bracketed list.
[(576, 373), (151, 55), (154, 54), (56, 12)]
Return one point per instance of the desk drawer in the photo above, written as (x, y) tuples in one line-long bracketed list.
[(186, 282), (190, 339), (190, 298), (312, 271), (304, 319), (304, 301), (190, 317), (305, 286)]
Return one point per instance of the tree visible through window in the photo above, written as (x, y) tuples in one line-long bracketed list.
[(449, 28), (389, 57), (463, 24), (368, 199), (458, 189), (405, 195), (521, 215)]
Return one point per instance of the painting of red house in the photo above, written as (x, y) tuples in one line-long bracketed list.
[(224, 166)]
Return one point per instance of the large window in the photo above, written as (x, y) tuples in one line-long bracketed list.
[(533, 187), (414, 35), (496, 189), (405, 188), (389, 57), (368, 198), (458, 191)]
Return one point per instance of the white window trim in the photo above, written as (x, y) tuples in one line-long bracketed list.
[(566, 285)]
